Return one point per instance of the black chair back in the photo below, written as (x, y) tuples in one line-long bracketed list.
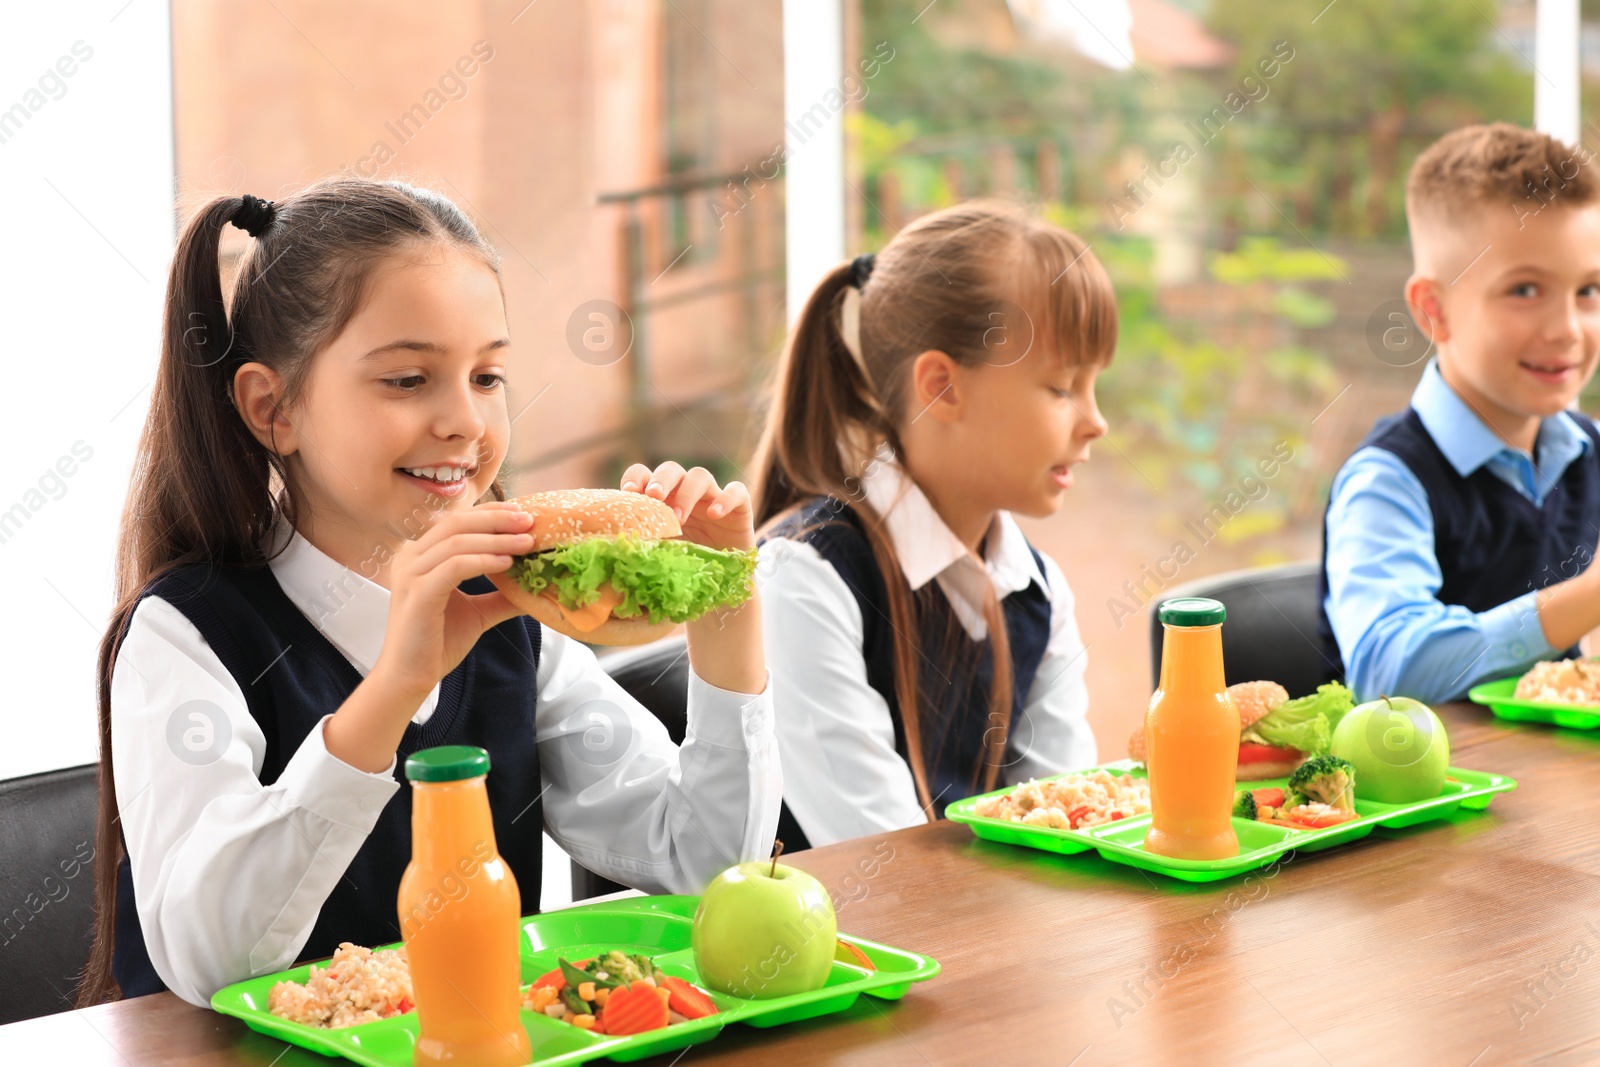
[(1272, 628), (657, 676), (46, 889)]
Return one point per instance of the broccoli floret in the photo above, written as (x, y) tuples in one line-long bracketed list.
[(1244, 805), (1324, 779)]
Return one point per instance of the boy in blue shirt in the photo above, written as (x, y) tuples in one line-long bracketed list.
[(1458, 537)]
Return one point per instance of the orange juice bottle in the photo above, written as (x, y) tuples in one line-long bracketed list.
[(1192, 738), (459, 915)]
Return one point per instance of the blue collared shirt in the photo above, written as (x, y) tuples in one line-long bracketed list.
[(1395, 635)]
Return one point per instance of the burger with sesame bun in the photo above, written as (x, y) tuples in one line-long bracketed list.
[(611, 567)]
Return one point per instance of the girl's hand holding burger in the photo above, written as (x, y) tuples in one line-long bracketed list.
[(716, 518), (724, 645), (432, 625)]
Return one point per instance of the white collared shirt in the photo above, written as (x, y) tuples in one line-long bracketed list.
[(842, 775), (230, 875)]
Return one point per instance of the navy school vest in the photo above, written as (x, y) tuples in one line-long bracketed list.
[(292, 676), (1493, 544), (953, 682)]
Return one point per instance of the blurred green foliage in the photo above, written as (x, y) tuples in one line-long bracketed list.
[(1196, 396), (1173, 394), (1371, 84)]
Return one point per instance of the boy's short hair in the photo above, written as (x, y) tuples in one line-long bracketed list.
[(1498, 167)]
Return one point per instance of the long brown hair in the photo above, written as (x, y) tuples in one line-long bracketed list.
[(203, 486), (944, 283)]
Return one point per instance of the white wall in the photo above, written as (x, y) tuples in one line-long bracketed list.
[(1556, 79), (86, 179), (813, 115)]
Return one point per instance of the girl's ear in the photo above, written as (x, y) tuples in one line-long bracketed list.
[(936, 387), (258, 394)]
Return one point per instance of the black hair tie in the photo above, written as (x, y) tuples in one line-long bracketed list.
[(861, 269), (254, 215)]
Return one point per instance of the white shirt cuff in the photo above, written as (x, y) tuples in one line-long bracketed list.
[(727, 719)]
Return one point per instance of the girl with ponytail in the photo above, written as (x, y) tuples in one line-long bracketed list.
[(302, 602), (920, 648)]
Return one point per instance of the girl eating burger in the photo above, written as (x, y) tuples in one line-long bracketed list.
[(302, 602)]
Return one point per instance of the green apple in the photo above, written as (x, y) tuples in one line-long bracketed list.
[(1399, 749), (764, 930)]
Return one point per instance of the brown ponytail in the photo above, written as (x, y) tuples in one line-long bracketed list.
[(937, 285), (203, 487)]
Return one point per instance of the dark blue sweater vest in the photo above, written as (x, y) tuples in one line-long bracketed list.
[(1493, 544), (292, 676), (953, 682)]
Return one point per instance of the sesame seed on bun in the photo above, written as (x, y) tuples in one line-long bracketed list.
[(566, 516)]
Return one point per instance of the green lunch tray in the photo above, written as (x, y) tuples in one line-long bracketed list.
[(1259, 844), (1498, 696), (655, 926)]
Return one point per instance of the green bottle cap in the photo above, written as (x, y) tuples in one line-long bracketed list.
[(1192, 611), (447, 763)]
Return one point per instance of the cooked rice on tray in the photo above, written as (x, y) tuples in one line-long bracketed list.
[(1564, 681), (356, 986), (1072, 801)]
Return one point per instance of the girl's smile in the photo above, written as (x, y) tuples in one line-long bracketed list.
[(449, 479)]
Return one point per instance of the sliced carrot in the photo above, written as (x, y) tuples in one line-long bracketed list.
[(686, 1000), (1325, 819), (848, 953), (552, 980), (634, 1009)]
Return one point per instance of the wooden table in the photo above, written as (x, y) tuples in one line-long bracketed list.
[(1469, 942)]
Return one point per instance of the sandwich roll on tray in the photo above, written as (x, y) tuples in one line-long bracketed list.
[(1276, 734), (611, 567)]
